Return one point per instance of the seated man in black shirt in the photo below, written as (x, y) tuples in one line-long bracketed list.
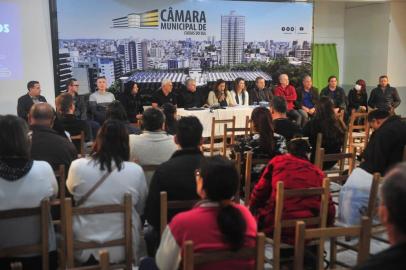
[(384, 96), (392, 214), (190, 97), (164, 94), (282, 124), (260, 93)]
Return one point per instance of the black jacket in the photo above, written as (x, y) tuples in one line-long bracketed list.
[(299, 93), (385, 147), (356, 100), (75, 127), (384, 99), (392, 258), (24, 105), (47, 145), (187, 99), (286, 128), (255, 95), (133, 105), (175, 176), (337, 96)]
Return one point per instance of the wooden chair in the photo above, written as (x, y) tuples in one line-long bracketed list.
[(126, 241), (340, 158), (320, 220), (232, 133), (249, 163), (104, 263), (358, 134), (404, 154), (370, 214), (81, 139), (238, 163), (165, 205), (215, 147), (191, 259), (43, 212), (332, 232)]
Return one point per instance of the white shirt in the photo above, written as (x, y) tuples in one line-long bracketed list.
[(151, 148), (83, 175), (27, 192), (246, 99)]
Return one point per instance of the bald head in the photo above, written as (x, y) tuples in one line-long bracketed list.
[(42, 114)]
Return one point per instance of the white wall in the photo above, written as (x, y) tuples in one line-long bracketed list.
[(329, 28), (37, 55), (366, 33)]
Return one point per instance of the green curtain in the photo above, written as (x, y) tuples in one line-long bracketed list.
[(324, 64)]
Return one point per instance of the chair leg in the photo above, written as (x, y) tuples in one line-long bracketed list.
[(333, 252)]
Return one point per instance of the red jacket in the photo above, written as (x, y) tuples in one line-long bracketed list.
[(288, 93), (296, 173)]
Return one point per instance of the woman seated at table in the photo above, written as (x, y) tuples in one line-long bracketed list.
[(327, 123), (240, 93), (220, 96), (264, 144), (227, 226), (296, 172)]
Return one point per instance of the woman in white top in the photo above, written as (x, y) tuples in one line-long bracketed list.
[(24, 183), (110, 154), (240, 93), (220, 96)]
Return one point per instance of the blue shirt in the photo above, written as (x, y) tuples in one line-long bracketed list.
[(307, 99)]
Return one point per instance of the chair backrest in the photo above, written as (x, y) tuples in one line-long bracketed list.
[(214, 135), (104, 263), (60, 175), (165, 205), (339, 157), (373, 195), (191, 259), (319, 143), (249, 162), (237, 161), (232, 133), (279, 223), (126, 241), (358, 129), (404, 154), (43, 212), (363, 232), (81, 139)]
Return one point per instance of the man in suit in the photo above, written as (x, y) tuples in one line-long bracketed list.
[(32, 97)]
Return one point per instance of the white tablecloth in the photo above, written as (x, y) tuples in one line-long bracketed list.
[(205, 117)]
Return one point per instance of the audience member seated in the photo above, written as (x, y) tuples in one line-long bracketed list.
[(393, 194), (296, 172), (325, 122), (99, 100), (109, 157), (384, 96), (132, 102), (175, 176), (307, 97), (335, 93), (23, 184), (72, 88), (154, 145), (358, 98), (116, 111), (47, 145), (169, 111), (217, 223), (239, 93), (220, 96), (191, 96), (260, 93), (26, 101), (65, 109), (281, 123), (288, 92), (385, 146), (264, 144), (164, 94)]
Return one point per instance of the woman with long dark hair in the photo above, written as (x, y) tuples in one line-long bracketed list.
[(215, 223), (109, 158), (132, 102), (240, 93), (220, 96), (358, 98), (24, 183), (327, 123)]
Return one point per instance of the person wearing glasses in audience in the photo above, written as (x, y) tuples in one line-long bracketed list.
[(220, 96)]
